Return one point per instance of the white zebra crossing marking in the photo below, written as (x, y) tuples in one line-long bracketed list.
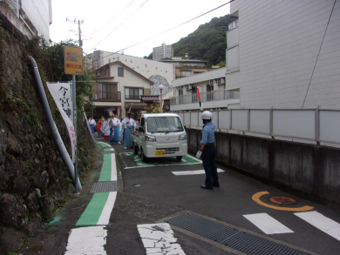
[(87, 240), (193, 172), (159, 239), (321, 222), (267, 224)]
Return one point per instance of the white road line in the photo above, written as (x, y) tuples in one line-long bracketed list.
[(267, 224), (159, 239), (91, 240), (321, 222), (113, 168), (107, 210), (193, 172), (87, 240)]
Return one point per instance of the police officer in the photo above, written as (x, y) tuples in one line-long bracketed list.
[(207, 151)]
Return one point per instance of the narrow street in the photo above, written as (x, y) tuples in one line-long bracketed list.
[(164, 191)]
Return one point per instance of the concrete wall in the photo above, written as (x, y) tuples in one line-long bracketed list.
[(308, 168)]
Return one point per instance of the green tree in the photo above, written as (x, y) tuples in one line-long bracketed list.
[(207, 42), (84, 83)]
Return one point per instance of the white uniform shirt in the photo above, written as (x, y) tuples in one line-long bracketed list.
[(116, 122), (92, 122), (128, 122)]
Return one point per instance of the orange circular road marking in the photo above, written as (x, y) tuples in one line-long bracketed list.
[(282, 200), (256, 198)]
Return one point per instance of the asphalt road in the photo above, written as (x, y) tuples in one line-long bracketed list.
[(153, 193), (163, 190)]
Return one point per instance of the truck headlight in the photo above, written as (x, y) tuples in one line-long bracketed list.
[(182, 136), (150, 138)]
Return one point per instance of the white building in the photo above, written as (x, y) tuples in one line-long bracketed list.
[(285, 54), (212, 88), (157, 72), (164, 51), (31, 17), (118, 88)]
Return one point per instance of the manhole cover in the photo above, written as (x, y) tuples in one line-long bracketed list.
[(282, 200)]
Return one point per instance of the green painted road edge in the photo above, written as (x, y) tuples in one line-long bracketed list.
[(94, 209)]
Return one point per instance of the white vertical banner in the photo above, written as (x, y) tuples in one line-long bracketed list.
[(61, 93)]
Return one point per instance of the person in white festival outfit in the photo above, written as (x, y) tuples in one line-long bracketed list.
[(116, 125), (129, 125), (92, 123)]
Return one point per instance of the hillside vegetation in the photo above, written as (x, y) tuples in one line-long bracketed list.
[(207, 42)]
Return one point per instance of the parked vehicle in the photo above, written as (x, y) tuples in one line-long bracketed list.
[(160, 135)]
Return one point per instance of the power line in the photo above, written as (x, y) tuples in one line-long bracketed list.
[(119, 25), (177, 26), (112, 19), (166, 30)]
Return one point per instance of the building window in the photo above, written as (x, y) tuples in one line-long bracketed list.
[(233, 59), (133, 93), (120, 72), (210, 92), (186, 73), (106, 91)]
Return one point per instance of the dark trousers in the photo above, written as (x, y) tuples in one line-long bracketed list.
[(209, 164)]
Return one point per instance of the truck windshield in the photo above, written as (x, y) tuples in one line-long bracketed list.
[(164, 124)]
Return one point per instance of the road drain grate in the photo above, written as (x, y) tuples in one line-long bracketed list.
[(233, 238), (103, 187)]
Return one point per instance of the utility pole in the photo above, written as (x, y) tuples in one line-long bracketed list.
[(75, 106), (74, 21)]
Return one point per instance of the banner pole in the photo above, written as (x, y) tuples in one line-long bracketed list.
[(75, 129)]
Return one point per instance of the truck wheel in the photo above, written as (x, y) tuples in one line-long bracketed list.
[(179, 158), (142, 156), (135, 149)]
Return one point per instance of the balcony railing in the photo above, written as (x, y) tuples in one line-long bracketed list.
[(206, 96), (113, 97)]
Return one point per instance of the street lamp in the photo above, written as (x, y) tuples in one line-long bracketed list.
[(160, 87)]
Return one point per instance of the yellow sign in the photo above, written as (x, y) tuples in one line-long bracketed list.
[(73, 60)]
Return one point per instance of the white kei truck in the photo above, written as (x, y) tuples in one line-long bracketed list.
[(160, 135)]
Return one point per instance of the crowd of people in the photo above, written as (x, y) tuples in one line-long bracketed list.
[(115, 129)]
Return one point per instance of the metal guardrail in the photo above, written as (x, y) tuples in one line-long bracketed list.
[(313, 126)]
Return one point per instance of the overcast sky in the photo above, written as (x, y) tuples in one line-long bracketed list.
[(115, 25)]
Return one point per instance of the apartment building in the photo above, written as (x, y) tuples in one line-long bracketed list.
[(184, 66), (212, 88), (284, 54), (164, 51), (279, 54), (31, 17)]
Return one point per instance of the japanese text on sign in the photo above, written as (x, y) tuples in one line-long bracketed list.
[(73, 60)]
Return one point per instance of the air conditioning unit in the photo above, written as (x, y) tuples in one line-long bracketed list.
[(211, 82), (220, 81), (95, 97), (188, 87)]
